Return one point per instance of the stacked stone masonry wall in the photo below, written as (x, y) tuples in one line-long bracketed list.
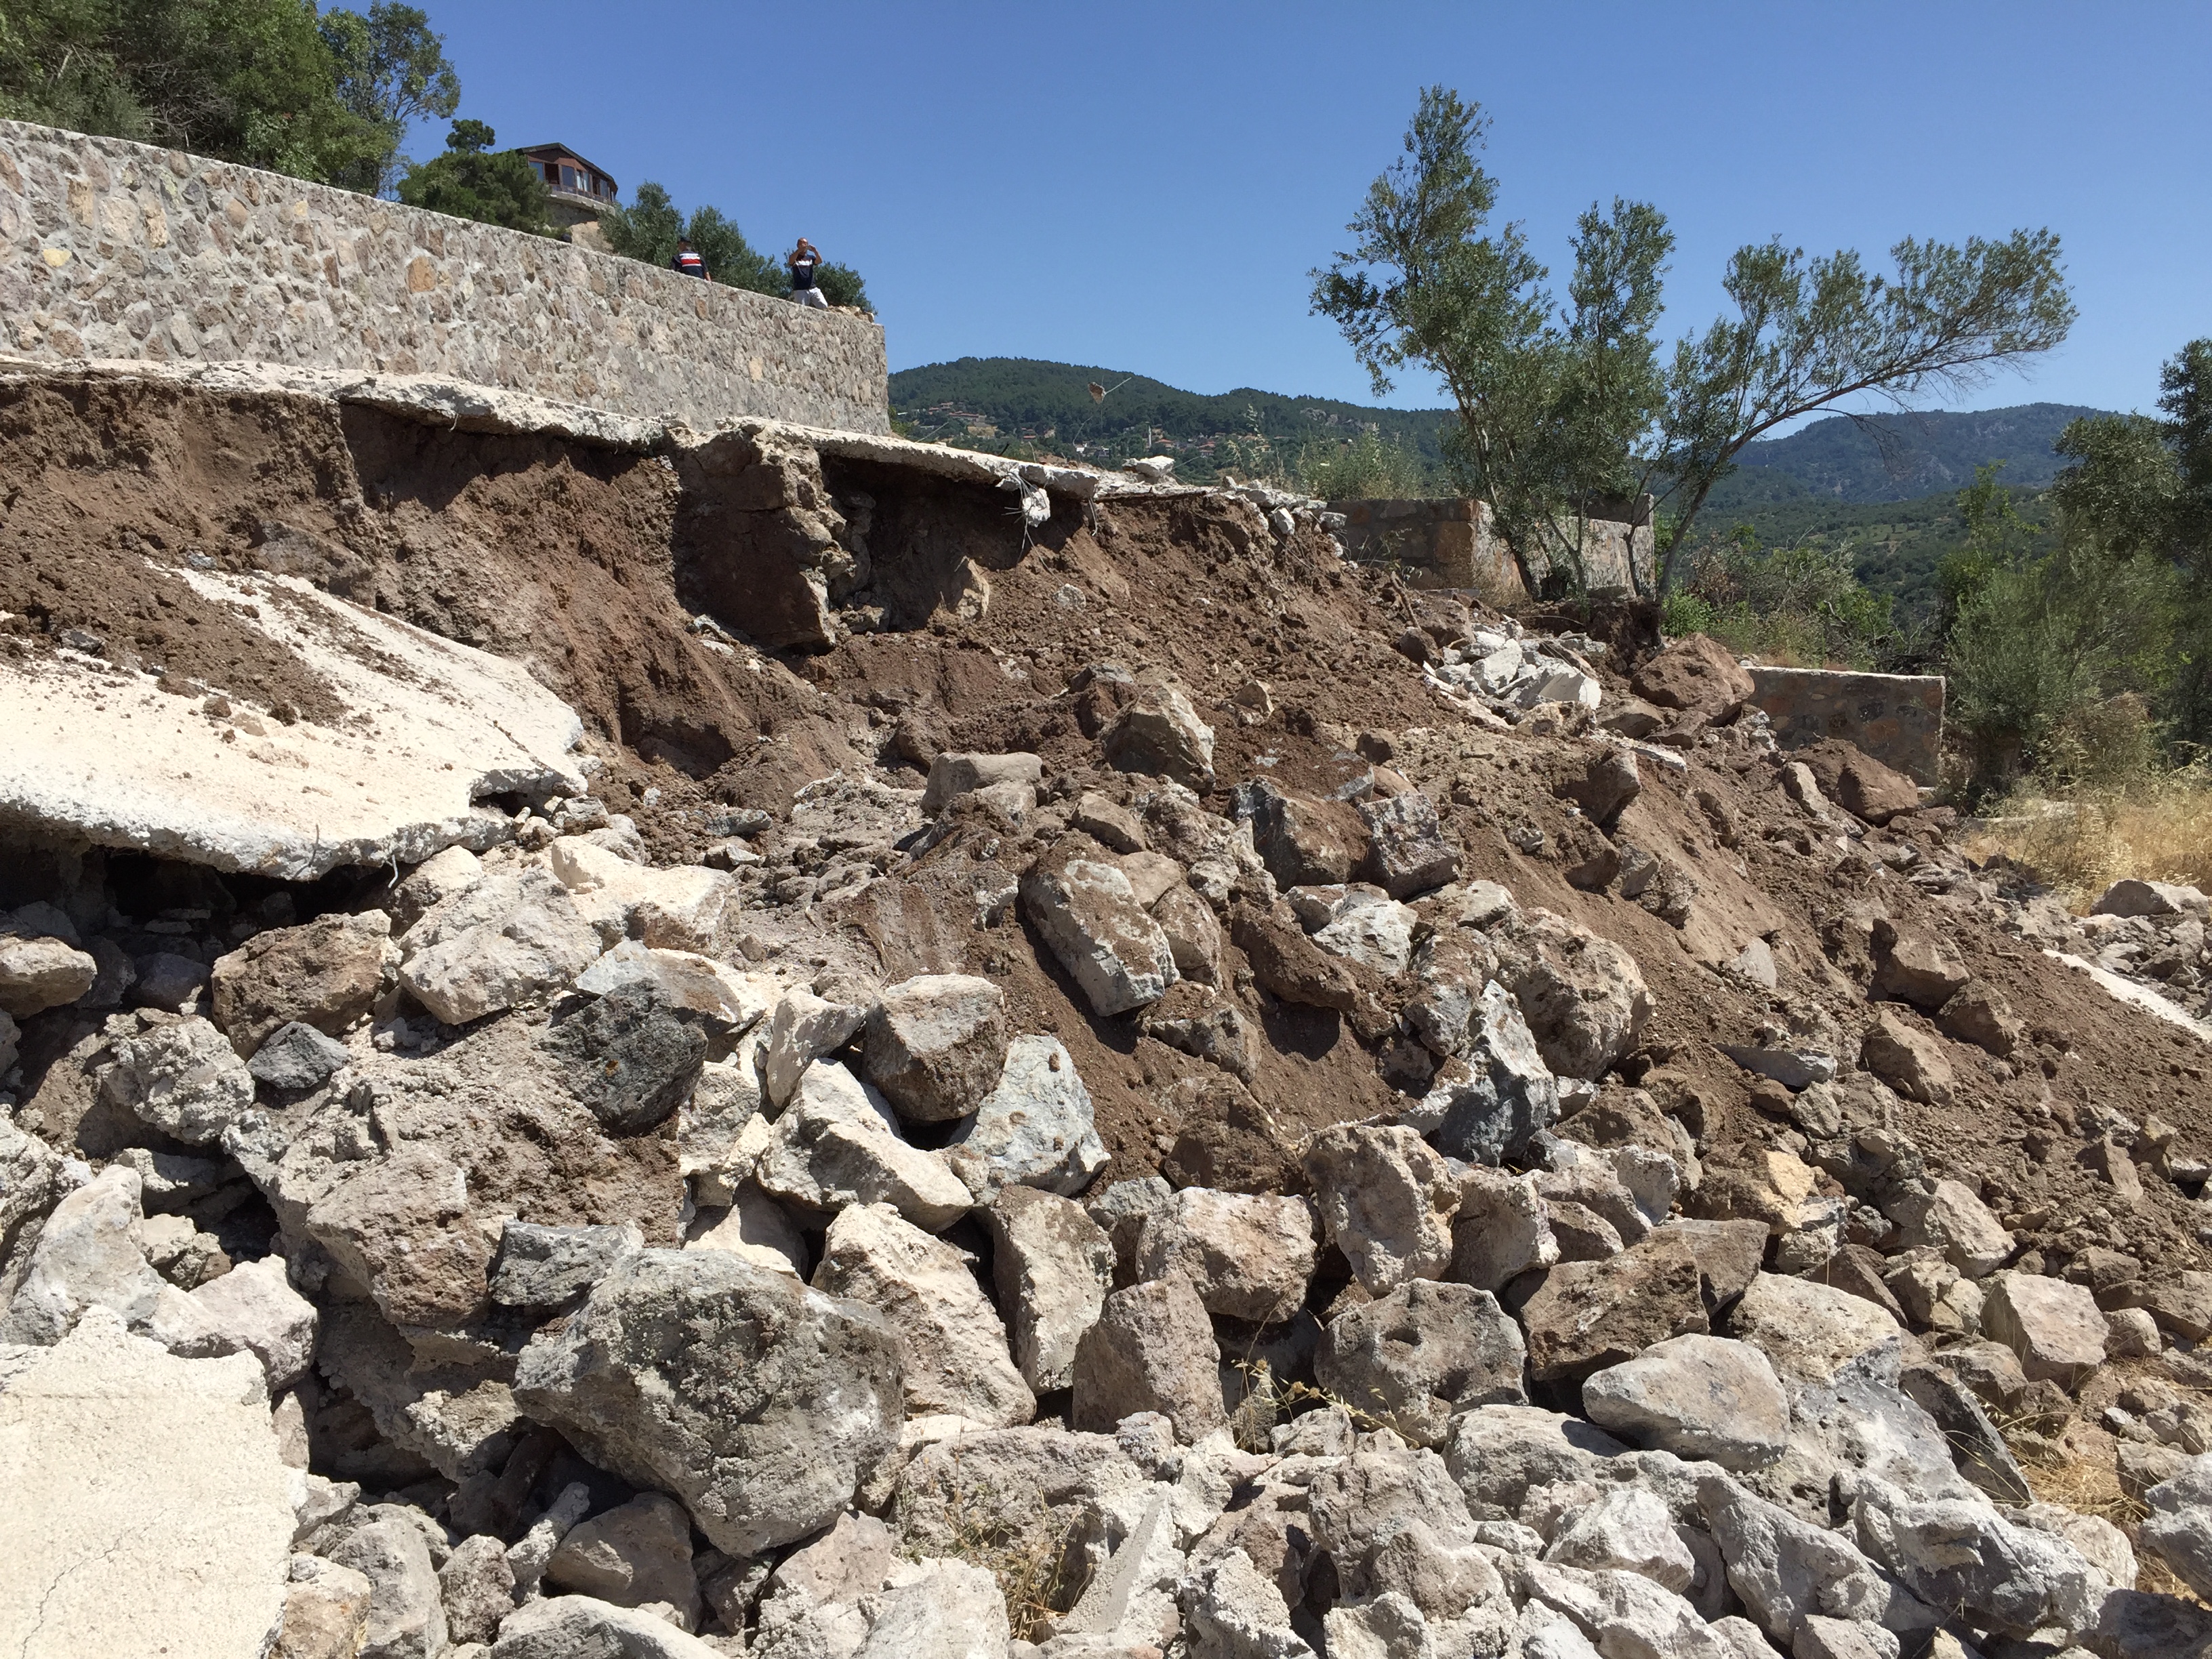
[(111, 249), (1454, 542)]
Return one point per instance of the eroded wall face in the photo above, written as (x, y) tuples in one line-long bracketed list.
[(111, 249)]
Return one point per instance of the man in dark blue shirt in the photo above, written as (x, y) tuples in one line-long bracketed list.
[(803, 260), (687, 260)]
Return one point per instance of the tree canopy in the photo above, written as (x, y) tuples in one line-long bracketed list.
[(472, 180), (392, 70), (1559, 406), (649, 230)]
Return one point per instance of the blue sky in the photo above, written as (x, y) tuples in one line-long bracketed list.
[(1145, 186)]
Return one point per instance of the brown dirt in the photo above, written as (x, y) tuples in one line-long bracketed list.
[(572, 559)]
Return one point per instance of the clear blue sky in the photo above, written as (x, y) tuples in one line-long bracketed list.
[(1145, 186)]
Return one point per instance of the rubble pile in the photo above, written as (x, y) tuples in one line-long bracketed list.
[(1173, 1098)]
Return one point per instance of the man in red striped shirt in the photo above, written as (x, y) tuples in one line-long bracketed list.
[(687, 260)]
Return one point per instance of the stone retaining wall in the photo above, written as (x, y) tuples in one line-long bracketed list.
[(111, 249), (1896, 718), (1452, 543)]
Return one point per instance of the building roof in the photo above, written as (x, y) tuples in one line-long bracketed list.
[(532, 149)]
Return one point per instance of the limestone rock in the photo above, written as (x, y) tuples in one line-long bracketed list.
[(937, 1610), (675, 909), (1232, 1610), (88, 1256), (936, 1045), (326, 974), (1248, 1256), (802, 1028), (38, 972), (1483, 1110), (2055, 1328), (1584, 997), (183, 1079), (533, 940), (1421, 1354), (402, 1226), (1408, 852), (1498, 1454), (753, 1225), (1908, 1060), (1697, 676), (2179, 1524), (1809, 1330), (1087, 914), (952, 1348), (761, 1405), (1699, 1397), (952, 775), (720, 1130), (583, 1627), (1053, 1266), (631, 1555), (837, 1145), (2159, 899), (127, 1468), (253, 1309), (1949, 1217), (1501, 1230), (406, 1604), (1859, 783), (1034, 1128), (1979, 1015), (1111, 825), (729, 1002), (1160, 733), (1627, 1530), (1152, 1350), (431, 883), (1193, 934), (477, 1586), (1954, 1553), (1624, 1612), (1386, 1200), (1786, 1569)]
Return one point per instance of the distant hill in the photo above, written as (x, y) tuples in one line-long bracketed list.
[(1898, 458), (1005, 403)]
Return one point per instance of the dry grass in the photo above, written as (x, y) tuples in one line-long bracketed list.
[(2158, 828), (1027, 1554), (2082, 1476)]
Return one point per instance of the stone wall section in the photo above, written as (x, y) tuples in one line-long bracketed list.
[(1453, 543), (1896, 718), (117, 251)]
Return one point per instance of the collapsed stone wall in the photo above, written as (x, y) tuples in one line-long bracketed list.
[(1454, 542), (111, 249)]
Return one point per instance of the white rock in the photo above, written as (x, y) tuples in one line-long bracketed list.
[(2055, 1328), (952, 775), (146, 1503), (1808, 1330), (254, 1308), (755, 1226), (1087, 913), (39, 973), (88, 1256), (1034, 1129), (720, 1128), (1053, 1266), (684, 979), (838, 1144), (1372, 929), (2179, 1525), (1952, 1218), (672, 909), (803, 1028), (937, 1609), (1386, 1200), (1628, 1528), (1699, 1397), (183, 1079), (1248, 1256), (572, 1626), (936, 1045), (406, 1603), (950, 1341), (530, 940), (1500, 1230), (1232, 1610)]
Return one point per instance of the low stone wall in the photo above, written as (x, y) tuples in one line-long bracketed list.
[(1453, 543), (111, 249), (1896, 718)]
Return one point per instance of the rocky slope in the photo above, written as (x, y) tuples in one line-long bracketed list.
[(972, 1057)]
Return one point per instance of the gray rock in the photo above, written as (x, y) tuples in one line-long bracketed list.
[(719, 1135), (2133, 897), (632, 1556), (1248, 1256), (1369, 928), (761, 1405), (1698, 1397), (729, 1002), (88, 1256), (1122, 1209), (547, 1267), (1948, 1216), (1232, 1610), (1160, 733), (837, 1145), (952, 1348), (1809, 1331), (477, 1586), (406, 1605), (936, 1045), (1152, 1350), (166, 979), (1500, 1230), (583, 1627), (296, 1058), (1584, 997), (937, 1610), (1358, 1503), (952, 775), (1483, 1110), (1498, 1453), (1629, 1529), (2179, 1525), (1033, 1129), (1386, 1200), (183, 1079), (1625, 1613), (1422, 1354), (458, 1418), (2055, 1328), (1084, 909), (1408, 852), (1836, 1639), (1980, 1449), (629, 1057), (1053, 1266), (1787, 1569), (1960, 1553)]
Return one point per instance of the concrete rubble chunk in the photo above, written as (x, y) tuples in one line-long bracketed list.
[(760, 1405), (326, 974), (1408, 851), (2055, 1328), (406, 1603), (183, 1079), (952, 775), (1248, 1256), (253, 1309), (837, 1145), (1809, 1331), (952, 1346), (1152, 1350), (1035, 1128), (1084, 909), (127, 1467), (1418, 1356), (536, 942), (802, 1028), (1386, 1200), (675, 909), (1053, 1266), (88, 1256), (1700, 1397), (936, 1044), (1160, 733), (632, 1555)]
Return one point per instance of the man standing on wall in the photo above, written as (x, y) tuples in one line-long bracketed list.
[(687, 260), (803, 260)]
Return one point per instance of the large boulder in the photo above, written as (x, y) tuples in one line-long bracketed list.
[(1386, 1200), (759, 1403), (1303, 841), (1960, 1555), (1408, 852), (1485, 1108), (1809, 1331), (1858, 782), (149, 1509), (837, 1145), (2055, 1328), (1699, 1397), (1084, 909), (1424, 1353), (326, 974), (952, 1348), (1584, 997), (1160, 733), (1248, 1256), (1787, 1568), (1697, 675), (507, 940), (935, 1045)]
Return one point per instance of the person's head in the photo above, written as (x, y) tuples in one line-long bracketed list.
[(683, 243), (805, 246)]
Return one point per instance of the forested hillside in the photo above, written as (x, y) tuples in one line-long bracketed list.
[(1898, 458)]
